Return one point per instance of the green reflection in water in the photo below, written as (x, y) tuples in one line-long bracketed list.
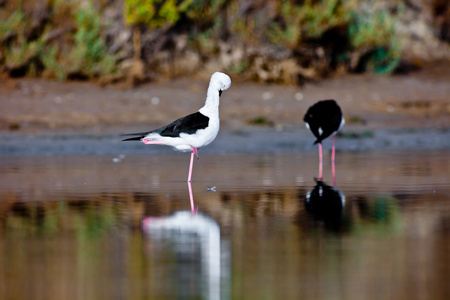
[(95, 222), (377, 216)]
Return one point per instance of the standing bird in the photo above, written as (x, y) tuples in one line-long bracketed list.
[(192, 131), (324, 119)]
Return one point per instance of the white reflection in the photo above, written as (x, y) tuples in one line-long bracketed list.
[(191, 235)]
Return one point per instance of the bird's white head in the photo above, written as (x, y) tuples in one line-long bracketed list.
[(220, 81)]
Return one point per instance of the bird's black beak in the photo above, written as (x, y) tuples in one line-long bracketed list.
[(220, 93)]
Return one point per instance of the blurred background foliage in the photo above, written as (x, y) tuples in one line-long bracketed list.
[(267, 41)]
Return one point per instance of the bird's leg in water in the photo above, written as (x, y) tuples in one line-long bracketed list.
[(192, 163), (333, 153), (320, 161)]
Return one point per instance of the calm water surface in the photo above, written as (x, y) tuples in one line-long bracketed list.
[(122, 227)]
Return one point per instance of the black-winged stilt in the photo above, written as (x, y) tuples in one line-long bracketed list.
[(192, 131), (325, 203), (324, 119)]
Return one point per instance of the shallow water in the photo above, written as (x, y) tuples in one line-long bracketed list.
[(71, 227)]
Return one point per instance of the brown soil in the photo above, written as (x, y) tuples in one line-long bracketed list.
[(419, 100)]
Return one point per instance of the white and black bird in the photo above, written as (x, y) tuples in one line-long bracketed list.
[(326, 203), (192, 131), (324, 119)]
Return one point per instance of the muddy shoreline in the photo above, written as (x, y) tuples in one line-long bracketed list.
[(251, 141), (401, 112)]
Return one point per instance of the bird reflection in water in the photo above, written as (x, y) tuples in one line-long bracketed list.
[(325, 203), (192, 252)]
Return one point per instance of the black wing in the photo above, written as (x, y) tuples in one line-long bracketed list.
[(188, 124)]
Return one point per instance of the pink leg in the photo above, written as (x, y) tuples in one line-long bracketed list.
[(195, 151), (320, 161), (333, 169), (194, 209), (191, 164)]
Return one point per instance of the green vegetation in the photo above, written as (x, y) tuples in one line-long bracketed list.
[(89, 54), (374, 36), (308, 20), (87, 57), (74, 49), (154, 13), (269, 40), (261, 121)]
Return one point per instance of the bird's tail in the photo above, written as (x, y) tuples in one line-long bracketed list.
[(134, 136)]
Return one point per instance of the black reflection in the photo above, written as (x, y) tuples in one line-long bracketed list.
[(325, 203)]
